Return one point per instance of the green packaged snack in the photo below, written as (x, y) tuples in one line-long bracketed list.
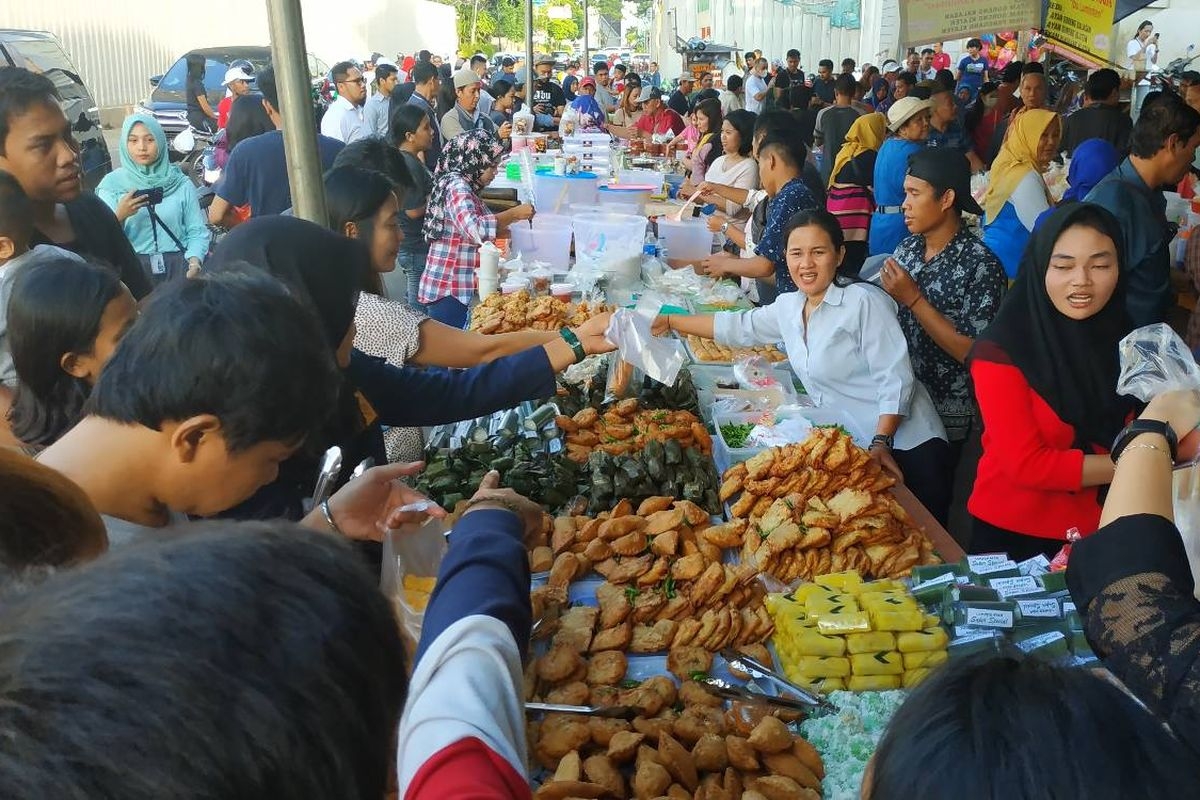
[(1053, 581), (1001, 615), (1031, 610), (980, 642), (925, 573), (1047, 645)]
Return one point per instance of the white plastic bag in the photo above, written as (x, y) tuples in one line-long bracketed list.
[(1155, 360), (415, 553), (656, 356)]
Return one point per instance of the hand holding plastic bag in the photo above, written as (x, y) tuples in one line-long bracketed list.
[(658, 357), (1154, 360)]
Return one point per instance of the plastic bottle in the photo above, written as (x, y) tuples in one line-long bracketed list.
[(652, 266)]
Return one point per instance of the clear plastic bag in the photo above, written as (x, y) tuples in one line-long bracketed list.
[(658, 357), (1155, 360), (411, 559)]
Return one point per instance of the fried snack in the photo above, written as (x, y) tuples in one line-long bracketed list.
[(575, 627), (570, 694), (696, 721), (559, 664), (561, 790), (622, 431), (603, 730), (617, 637), (678, 761), (651, 639), (614, 607), (778, 787), (708, 350), (560, 734), (770, 736), (507, 313), (600, 770), (710, 754), (684, 662), (623, 745), (651, 780), (788, 765), (741, 754), (606, 668)]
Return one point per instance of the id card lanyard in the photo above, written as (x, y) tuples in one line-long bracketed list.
[(158, 265)]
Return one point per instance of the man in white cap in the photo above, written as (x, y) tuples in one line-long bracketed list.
[(236, 83), (465, 115)]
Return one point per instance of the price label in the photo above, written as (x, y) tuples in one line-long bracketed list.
[(1015, 587), (986, 562), (1044, 607), (989, 618)]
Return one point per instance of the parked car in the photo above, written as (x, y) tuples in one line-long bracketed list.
[(168, 100), (40, 51)]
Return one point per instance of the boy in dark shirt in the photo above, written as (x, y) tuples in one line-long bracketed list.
[(36, 148)]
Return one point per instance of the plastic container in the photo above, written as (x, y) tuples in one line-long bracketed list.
[(587, 141), (646, 177), (726, 456), (553, 193), (512, 287), (487, 286), (627, 194), (610, 242), (576, 209), (550, 243), (562, 291), (674, 183), (688, 239)]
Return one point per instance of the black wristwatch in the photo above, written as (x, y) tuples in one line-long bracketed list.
[(1140, 426), (570, 338), (884, 439)]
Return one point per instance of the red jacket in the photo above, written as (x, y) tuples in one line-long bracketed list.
[(1029, 475)]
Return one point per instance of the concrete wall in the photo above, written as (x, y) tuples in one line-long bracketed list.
[(116, 48)]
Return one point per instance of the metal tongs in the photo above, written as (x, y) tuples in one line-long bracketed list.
[(729, 691), (606, 712), (760, 671), (327, 475)]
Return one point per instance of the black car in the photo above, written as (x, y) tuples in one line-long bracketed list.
[(168, 101), (41, 52)]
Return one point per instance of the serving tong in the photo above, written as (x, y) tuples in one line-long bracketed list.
[(807, 698), (604, 712)]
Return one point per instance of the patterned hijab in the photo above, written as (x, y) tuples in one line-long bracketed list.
[(866, 133), (464, 158)]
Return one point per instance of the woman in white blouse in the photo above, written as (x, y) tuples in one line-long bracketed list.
[(845, 344), (736, 168)]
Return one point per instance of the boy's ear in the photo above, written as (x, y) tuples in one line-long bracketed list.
[(8, 248), (193, 433)]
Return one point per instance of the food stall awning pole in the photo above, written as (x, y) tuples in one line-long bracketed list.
[(586, 65), (289, 56), (529, 65)]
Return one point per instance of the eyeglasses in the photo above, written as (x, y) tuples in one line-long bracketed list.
[(359, 81)]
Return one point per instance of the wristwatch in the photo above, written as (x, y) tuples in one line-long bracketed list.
[(570, 338), (1140, 426), (887, 440), (724, 227)]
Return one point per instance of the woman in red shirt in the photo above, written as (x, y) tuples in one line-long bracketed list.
[(1045, 375)]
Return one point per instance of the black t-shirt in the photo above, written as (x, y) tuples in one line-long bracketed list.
[(415, 197), (196, 116), (549, 95), (678, 103), (100, 236), (824, 90), (1097, 122)]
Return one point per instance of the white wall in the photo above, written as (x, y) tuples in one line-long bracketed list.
[(116, 48), (1178, 23)]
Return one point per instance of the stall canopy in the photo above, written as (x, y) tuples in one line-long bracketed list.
[(1127, 8)]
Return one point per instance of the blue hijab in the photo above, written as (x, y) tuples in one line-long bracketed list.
[(589, 110), (132, 175), (1091, 161), (881, 105)]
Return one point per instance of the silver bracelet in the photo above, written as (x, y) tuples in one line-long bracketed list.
[(329, 518), (1143, 447)]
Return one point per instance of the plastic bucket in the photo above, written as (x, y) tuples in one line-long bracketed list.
[(550, 243), (608, 208), (553, 193), (687, 239), (626, 194), (610, 242), (645, 177)]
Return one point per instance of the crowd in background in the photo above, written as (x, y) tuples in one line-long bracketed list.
[(161, 376)]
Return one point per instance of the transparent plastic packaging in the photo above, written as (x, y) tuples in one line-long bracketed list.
[(1155, 360)]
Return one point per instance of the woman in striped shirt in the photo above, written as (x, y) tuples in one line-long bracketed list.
[(851, 196)]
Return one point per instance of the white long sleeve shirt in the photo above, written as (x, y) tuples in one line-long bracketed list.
[(852, 356)]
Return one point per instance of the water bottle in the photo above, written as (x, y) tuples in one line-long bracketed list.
[(652, 266)]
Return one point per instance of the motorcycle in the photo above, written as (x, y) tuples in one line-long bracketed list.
[(1169, 76), (197, 161)]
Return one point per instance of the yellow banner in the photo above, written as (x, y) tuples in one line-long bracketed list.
[(927, 21), (1084, 26)]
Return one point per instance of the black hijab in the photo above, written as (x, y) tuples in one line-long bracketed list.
[(1073, 365), (325, 271)]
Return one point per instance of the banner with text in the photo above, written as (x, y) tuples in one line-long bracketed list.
[(927, 21), (1084, 26)]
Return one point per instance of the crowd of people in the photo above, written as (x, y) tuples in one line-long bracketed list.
[(153, 375)]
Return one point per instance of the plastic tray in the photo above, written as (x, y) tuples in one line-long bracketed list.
[(726, 456), (692, 355)]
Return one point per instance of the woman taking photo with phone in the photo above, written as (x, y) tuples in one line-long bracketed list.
[(155, 203)]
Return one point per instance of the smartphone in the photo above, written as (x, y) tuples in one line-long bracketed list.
[(154, 196)]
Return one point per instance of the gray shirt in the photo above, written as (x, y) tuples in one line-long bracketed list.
[(8, 273), (375, 114), (122, 532)]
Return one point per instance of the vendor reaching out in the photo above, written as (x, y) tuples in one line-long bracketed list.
[(846, 346)]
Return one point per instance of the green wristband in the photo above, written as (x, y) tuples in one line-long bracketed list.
[(576, 346)]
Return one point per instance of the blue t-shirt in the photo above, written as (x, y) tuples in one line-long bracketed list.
[(1007, 237), (972, 70), (256, 173), (888, 230)]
